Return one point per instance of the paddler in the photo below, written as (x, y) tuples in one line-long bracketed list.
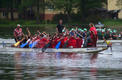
[(72, 40), (99, 33), (93, 34), (79, 42), (108, 34), (85, 32), (18, 33), (60, 26), (114, 35)]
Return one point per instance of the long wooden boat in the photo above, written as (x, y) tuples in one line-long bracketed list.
[(50, 50), (12, 41)]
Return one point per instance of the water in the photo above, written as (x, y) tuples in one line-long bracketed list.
[(105, 65)]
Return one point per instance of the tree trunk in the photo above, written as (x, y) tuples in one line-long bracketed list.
[(12, 16), (7, 11), (11, 9), (37, 13), (69, 9), (82, 10)]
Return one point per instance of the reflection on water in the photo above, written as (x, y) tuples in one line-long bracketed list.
[(62, 66)]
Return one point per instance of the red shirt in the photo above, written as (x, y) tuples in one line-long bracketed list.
[(42, 43), (72, 42), (63, 41), (79, 42), (54, 42), (93, 31), (18, 32)]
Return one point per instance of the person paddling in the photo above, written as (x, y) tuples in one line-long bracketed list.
[(18, 33)]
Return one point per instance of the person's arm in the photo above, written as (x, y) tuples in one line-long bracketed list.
[(28, 31), (56, 29), (15, 35), (93, 34)]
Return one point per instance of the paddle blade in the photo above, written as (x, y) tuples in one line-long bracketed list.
[(23, 45), (46, 46), (16, 44), (30, 45), (33, 44), (58, 45)]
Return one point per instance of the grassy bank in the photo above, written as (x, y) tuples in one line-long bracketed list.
[(114, 24), (117, 24), (7, 27)]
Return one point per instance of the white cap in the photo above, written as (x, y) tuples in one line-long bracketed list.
[(18, 25)]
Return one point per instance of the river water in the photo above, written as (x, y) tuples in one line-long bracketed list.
[(105, 65)]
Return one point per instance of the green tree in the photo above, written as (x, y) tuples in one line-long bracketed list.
[(83, 6), (86, 5), (36, 4), (7, 5), (65, 5)]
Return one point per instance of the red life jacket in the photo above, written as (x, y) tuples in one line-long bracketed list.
[(93, 31), (72, 42), (18, 32), (53, 44), (79, 42), (93, 36), (63, 41), (42, 43)]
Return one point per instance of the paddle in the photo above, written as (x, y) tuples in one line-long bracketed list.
[(23, 45), (46, 46), (17, 43), (84, 40), (33, 44), (58, 45)]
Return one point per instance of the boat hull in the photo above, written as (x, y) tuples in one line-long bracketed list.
[(50, 50)]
